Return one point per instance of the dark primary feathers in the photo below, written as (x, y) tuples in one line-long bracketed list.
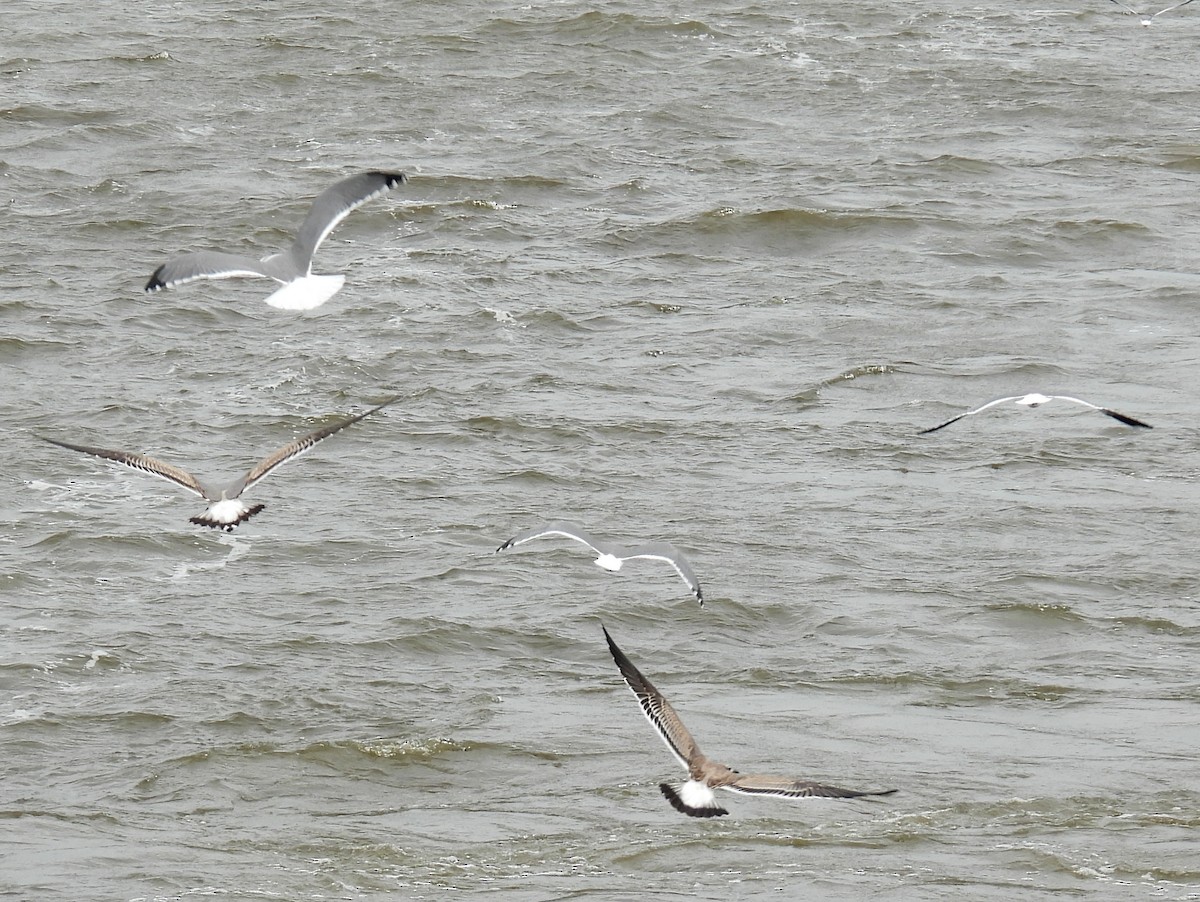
[(1127, 420), (656, 708)]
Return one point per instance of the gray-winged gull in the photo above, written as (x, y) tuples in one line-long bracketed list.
[(301, 289), (1149, 19), (1035, 400), (611, 555)]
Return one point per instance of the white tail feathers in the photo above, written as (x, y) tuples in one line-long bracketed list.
[(306, 292)]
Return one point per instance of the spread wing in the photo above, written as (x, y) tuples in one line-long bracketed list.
[(300, 445), (1127, 420), (334, 204), (1169, 8), (1119, 417), (970, 413), (665, 551), (785, 788), (656, 708), (558, 528), (181, 478), (204, 265)]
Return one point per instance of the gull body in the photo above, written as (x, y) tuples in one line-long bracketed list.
[(1149, 19), (293, 268), (226, 509), (1034, 399), (612, 556), (694, 796)]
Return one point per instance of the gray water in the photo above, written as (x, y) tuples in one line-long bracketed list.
[(688, 271)]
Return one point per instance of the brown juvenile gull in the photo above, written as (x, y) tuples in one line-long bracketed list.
[(611, 555), (1036, 400), (694, 797), (301, 289), (1149, 19), (226, 509)]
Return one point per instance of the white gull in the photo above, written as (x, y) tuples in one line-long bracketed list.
[(1036, 400), (611, 555)]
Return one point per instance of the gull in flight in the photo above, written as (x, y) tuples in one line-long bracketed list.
[(226, 509), (1149, 20), (612, 556), (1036, 400), (694, 797), (293, 268)]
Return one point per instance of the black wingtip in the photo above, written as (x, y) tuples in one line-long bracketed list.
[(623, 663), (612, 646), (940, 426), (677, 803), (390, 179), (156, 283), (1128, 421)]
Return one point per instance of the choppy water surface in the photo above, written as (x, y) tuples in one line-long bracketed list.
[(698, 273)]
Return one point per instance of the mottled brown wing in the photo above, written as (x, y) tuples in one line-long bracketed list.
[(302, 444), (656, 708), (785, 788), (181, 478)]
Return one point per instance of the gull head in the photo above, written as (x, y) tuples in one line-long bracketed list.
[(609, 562), (1032, 400)]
